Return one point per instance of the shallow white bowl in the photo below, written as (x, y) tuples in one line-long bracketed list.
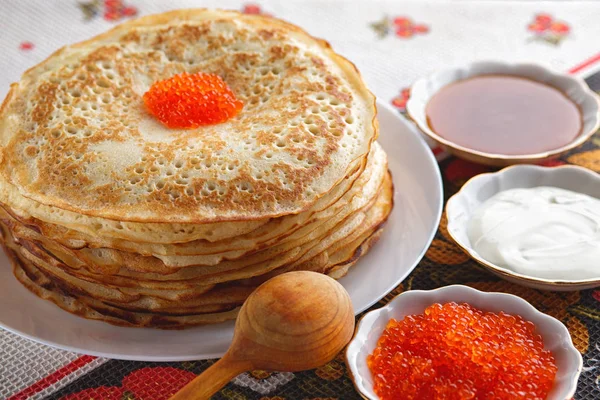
[(575, 88), (554, 334), (480, 188)]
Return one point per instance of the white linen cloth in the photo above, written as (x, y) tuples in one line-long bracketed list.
[(457, 32)]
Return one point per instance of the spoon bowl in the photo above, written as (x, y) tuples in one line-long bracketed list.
[(293, 322)]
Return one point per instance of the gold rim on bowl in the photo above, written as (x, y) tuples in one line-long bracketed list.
[(555, 334), (423, 89), (512, 276)]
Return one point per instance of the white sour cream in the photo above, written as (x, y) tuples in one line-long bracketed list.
[(545, 232)]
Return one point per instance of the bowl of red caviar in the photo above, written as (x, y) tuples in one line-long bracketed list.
[(457, 342)]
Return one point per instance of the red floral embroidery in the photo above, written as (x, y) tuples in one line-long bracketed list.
[(596, 295), (547, 29), (158, 383), (254, 9), (437, 151), (102, 392), (155, 383), (129, 11), (459, 171), (399, 102), (402, 27), (111, 10), (552, 163), (114, 10), (26, 46)]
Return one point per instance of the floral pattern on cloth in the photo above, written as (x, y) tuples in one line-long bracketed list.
[(26, 46), (402, 27), (254, 9), (111, 10), (399, 102), (545, 28), (157, 383)]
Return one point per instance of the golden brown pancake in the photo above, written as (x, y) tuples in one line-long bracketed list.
[(76, 135), (217, 305)]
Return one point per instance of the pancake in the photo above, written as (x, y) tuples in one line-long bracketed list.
[(123, 316), (274, 231), (110, 261), (220, 305), (49, 219), (43, 287), (75, 134), (370, 222), (194, 277), (261, 238)]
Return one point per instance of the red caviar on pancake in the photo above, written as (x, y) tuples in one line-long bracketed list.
[(191, 100), (455, 351)]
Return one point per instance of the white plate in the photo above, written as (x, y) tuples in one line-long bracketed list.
[(410, 229)]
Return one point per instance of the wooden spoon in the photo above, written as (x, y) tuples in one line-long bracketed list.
[(295, 321)]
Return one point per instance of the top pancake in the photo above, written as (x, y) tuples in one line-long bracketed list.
[(74, 133)]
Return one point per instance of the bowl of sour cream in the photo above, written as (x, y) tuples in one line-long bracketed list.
[(537, 226)]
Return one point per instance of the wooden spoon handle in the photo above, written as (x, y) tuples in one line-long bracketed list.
[(211, 380)]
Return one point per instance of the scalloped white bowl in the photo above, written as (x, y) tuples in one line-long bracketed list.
[(477, 190), (555, 335), (575, 88)]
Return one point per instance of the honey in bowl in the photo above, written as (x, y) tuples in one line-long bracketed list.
[(455, 351), (504, 114)]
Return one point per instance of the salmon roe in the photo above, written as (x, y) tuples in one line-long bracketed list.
[(191, 100), (455, 351)]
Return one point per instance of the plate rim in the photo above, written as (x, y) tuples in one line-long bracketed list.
[(212, 355), (440, 203)]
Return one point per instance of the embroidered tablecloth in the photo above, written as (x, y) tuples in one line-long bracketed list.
[(392, 43)]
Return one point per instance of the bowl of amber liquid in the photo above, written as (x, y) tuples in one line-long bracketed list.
[(500, 114), (458, 342)]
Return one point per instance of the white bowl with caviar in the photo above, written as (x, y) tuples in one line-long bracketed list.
[(555, 335), (536, 226), (499, 113)]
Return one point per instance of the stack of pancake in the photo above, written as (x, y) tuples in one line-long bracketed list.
[(113, 216)]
